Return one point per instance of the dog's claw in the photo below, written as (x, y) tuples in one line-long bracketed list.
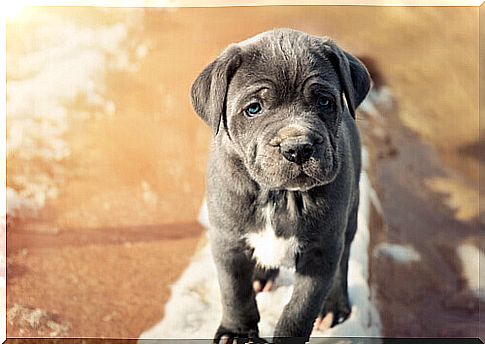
[(264, 279), (268, 286), (331, 317), (226, 336), (257, 286), (225, 340), (324, 322)]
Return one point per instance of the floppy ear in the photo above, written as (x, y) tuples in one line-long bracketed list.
[(353, 75), (209, 90)]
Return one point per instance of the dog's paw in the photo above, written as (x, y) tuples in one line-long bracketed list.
[(336, 309), (263, 279), (228, 336)]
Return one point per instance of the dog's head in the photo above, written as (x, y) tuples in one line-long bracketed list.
[(280, 98)]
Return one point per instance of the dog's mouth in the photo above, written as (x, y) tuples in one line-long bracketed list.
[(302, 182)]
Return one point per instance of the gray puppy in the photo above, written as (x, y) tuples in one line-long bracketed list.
[(283, 174)]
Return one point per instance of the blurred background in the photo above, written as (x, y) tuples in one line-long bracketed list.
[(106, 159)]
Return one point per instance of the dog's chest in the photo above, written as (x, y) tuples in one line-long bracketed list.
[(269, 249)]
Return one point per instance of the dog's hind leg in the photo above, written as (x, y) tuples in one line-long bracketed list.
[(336, 308), (263, 279)]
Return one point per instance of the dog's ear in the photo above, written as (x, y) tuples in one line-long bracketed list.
[(209, 90), (354, 77)]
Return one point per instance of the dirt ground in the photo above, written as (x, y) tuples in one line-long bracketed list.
[(98, 259)]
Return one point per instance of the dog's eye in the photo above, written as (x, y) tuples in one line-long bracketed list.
[(253, 109), (325, 103)]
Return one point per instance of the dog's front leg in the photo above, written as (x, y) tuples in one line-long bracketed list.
[(240, 314), (314, 273)]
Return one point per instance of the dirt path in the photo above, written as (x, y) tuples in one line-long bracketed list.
[(430, 297), (91, 283)]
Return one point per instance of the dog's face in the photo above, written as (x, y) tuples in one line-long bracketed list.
[(279, 97)]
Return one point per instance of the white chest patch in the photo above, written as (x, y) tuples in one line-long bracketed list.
[(270, 250)]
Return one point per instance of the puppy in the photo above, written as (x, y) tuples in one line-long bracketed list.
[(283, 174)]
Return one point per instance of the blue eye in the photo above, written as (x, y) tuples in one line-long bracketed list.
[(325, 103), (253, 109)]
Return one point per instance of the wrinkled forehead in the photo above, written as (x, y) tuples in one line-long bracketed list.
[(286, 62)]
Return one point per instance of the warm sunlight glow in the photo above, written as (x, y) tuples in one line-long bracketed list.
[(13, 9)]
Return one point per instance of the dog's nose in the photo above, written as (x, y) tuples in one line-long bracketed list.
[(297, 152)]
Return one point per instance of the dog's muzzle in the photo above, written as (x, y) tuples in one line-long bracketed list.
[(297, 150)]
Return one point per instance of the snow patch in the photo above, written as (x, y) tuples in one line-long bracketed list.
[(470, 257), (378, 99), (194, 309), (399, 253), (37, 322), (66, 62), (203, 217)]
